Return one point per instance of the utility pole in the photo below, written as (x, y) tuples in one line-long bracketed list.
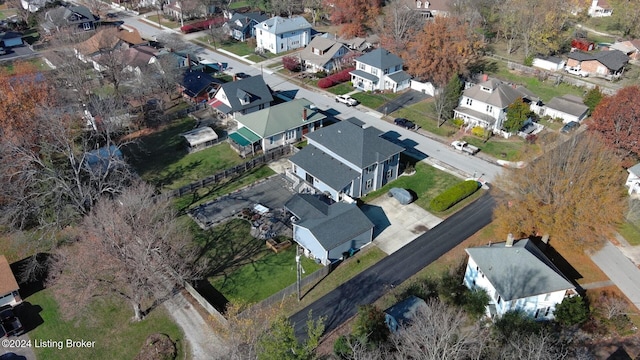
[(298, 270)]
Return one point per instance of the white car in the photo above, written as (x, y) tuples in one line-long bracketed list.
[(347, 100), (576, 71)]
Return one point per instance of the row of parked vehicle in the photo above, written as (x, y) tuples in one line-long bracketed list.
[(10, 324)]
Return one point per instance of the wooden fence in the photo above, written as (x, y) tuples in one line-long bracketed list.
[(269, 156)]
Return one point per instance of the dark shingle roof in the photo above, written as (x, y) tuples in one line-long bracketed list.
[(254, 87), (194, 82), (519, 271), (324, 167), (361, 147), (612, 59), (331, 224), (380, 58)]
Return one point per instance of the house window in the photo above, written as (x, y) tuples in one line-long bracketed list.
[(369, 184), (260, 32), (389, 174), (386, 71), (86, 26), (374, 71), (271, 141), (281, 36), (281, 46), (546, 312), (469, 101), (499, 299), (370, 169), (489, 109), (261, 106), (290, 134), (309, 178), (295, 169), (537, 313), (362, 66)]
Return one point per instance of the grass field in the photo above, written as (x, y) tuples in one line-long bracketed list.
[(161, 158), (427, 183), (504, 149), (340, 89), (423, 115), (630, 232), (108, 323)]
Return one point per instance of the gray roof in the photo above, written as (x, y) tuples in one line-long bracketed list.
[(568, 104), (328, 49), (380, 58), (476, 114), (280, 118), (278, 25), (361, 147), (612, 59), (399, 77), (324, 167), (245, 19), (519, 271), (331, 224), (364, 74), (553, 59), (254, 87), (406, 309), (496, 93), (635, 169)]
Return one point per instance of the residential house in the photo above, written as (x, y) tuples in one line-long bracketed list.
[(182, 10), (517, 276), (567, 107), (276, 126), (242, 26), (600, 8), (325, 229), (379, 70), (551, 63), (633, 180), (107, 41), (346, 159), (198, 86), (403, 312), (139, 57), (322, 54), (631, 48), (77, 18), (485, 104), (242, 97), (608, 64), (10, 39), (9, 289), (278, 34), (432, 8)]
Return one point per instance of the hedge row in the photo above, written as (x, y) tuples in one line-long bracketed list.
[(335, 79), (453, 195)]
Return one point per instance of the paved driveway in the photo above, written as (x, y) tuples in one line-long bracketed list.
[(620, 270), (272, 193), (397, 225), (410, 97)]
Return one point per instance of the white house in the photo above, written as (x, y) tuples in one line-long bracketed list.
[(9, 294), (517, 276), (551, 63), (279, 34), (326, 229), (633, 180), (567, 107), (379, 70), (485, 104), (600, 8)]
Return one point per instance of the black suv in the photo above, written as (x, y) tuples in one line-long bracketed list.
[(569, 127), (404, 123), (10, 322)]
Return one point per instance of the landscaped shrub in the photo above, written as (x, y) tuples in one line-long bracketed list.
[(325, 83), (453, 195), (572, 311), (321, 74), (335, 79), (457, 122), (291, 63), (478, 131)]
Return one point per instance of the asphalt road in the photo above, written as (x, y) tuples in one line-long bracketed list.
[(341, 304), (621, 270)]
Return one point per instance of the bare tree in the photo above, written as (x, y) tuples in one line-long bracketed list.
[(438, 331), (130, 246), (96, 6), (542, 345), (612, 305), (218, 35), (316, 7), (398, 25)]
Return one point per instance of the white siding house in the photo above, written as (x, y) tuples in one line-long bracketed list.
[(380, 70), (517, 276), (567, 107), (600, 8), (633, 180), (278, 34)]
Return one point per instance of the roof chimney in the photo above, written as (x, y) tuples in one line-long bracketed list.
[(545, 238), (304, 114), (485, 77), (509, 242), (189, 61)]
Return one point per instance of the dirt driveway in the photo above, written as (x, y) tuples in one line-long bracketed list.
[(397, 225)]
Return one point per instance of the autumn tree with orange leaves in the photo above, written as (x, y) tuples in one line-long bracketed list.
[(617, 120), (355, 16), (445, 47), (574, 192)]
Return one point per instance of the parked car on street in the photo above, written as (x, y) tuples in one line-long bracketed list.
[(465, 147), (347, 100), (404, 123), (569, 127), (242, 75)]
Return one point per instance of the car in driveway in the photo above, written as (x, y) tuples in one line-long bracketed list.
[(347, 100), (570, 127), (404, 123), (10, 322)]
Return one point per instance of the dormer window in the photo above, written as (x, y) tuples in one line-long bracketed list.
[(244, 100), (484, 88)]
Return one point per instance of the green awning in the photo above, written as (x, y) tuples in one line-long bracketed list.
[(239, 139), (248, 134)]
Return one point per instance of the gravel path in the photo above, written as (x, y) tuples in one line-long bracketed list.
[(203, 343)]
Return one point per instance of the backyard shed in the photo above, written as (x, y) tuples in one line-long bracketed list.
[(551, 63), (200, 138)]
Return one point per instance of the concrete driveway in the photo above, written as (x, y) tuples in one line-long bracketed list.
[(397, 225), (272, 193), (408, 98)]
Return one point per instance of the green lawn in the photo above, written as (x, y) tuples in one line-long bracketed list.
[(206, 194), (553, 125), (423, 115), (372, 101), (341, 89), (264, 277), (510, 150), (428, 182), (161, 158), (237, 47), (5, 13), (108, 323), (630, 232)]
